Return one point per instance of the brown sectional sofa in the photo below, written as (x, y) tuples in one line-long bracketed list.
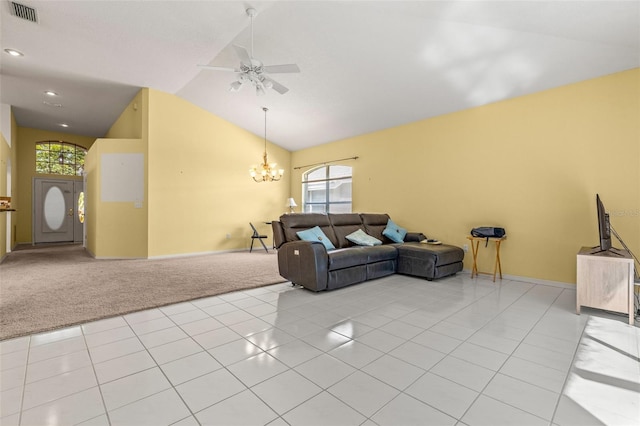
[(311, 265)]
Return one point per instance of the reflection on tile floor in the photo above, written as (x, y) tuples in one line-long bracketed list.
[(393, 351)]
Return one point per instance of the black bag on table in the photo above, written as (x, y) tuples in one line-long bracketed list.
[(488, 232)]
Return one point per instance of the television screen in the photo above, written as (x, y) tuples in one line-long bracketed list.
[(604, 226)]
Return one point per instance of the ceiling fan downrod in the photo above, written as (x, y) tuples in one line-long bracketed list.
[(251, 12)]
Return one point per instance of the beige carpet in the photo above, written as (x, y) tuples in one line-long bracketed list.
[(50, 287)]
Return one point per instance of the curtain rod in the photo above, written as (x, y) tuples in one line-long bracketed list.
[(326, 162)]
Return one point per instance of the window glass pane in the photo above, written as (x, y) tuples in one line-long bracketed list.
[(317, 174), (340, 191), (317, 196), (54, 157), (339, 171), (81, 207), (315, 208), (327, 188)]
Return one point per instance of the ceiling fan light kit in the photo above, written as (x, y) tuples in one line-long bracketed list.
[(254, 72)]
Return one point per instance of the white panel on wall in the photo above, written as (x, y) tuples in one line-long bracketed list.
[(5, 122), (122, 177)]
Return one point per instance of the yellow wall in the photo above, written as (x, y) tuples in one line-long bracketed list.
[(198, 189), (26, 158), (119, 229), (199, 185), (133, 121), (8, 160), (532, 164), (114, 229)]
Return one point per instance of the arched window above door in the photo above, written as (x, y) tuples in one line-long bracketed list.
[(59, 158)]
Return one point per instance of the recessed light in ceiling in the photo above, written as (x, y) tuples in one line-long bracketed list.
[(50, 93), (64, 125), (14, 52)]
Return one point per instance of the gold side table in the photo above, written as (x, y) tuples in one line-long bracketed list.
[(497, 267)]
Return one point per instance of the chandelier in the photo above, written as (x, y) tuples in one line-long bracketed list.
[(266, 172)]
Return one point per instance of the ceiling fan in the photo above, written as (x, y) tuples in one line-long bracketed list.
[(253, 71)]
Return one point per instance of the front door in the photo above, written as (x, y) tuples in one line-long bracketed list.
[(54, 209)]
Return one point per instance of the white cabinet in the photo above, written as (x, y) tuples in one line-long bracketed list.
[(605, 281)]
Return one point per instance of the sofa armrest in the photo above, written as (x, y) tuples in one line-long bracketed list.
[(414, 237), (304, 263)]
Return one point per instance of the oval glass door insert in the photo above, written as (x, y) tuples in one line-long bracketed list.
[(54, 208)]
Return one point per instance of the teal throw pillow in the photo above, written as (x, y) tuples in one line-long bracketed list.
[(316, 234), (394, 232), (361, 238)]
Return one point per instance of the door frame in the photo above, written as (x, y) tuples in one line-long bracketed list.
[(76, 183)]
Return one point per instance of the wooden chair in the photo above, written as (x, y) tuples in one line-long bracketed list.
[(259, 237)]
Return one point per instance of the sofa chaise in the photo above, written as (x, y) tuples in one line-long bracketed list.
[(311, 265)]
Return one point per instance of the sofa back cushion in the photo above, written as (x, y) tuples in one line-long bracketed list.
[(294, 222), (374, 224), (343, 225)]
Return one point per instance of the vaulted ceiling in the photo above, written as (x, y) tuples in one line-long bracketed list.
[(365, 65)]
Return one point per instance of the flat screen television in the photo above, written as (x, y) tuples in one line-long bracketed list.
[(605, 230), (604, 226)]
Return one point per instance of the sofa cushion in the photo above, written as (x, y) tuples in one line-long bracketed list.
[(294, 222), (353, 256), (361, 238), (394, 232), (344, 224), (316, 234), (442, 254), (381, 253), (347, 257), (374, 224)]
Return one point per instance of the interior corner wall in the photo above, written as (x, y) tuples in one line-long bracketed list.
[(133, 121), (201, 197), (26, 159), (118, 228), (531, 164)]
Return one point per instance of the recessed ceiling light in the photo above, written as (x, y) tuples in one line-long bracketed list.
[(14, 52), (50, 93), (64, 125)]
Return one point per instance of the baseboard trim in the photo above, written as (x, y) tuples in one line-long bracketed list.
[(167, 256), (200, 253), (532, 280)]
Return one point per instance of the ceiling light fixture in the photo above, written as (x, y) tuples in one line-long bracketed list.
[(14, 52), (64, 125), (266, 172), (254, 72), (50, 93)]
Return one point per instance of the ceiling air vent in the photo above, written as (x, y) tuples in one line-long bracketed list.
[(24, 12)]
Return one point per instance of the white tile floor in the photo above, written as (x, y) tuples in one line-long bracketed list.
[(394, 351)]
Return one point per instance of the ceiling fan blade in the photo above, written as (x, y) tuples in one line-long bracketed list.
[(285, 68), (212, 68), (242, 54), (276, 86)]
